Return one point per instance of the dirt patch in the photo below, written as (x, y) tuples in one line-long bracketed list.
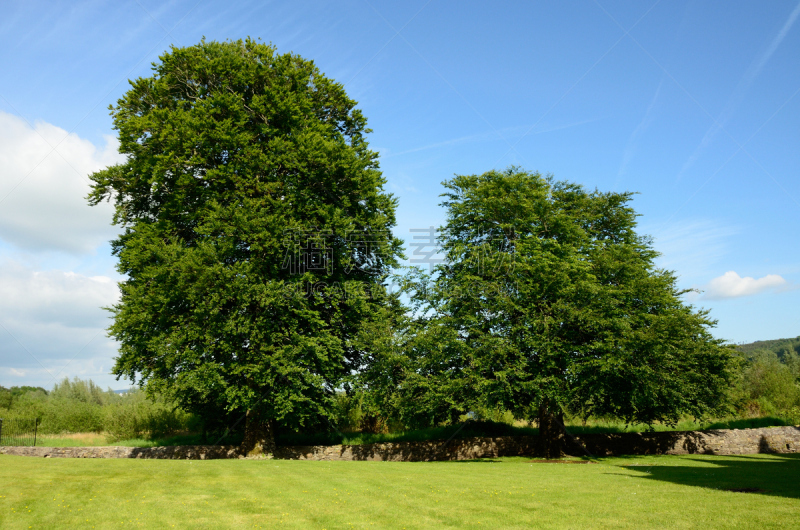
[(87, 439), (83, 436), (746, 490)]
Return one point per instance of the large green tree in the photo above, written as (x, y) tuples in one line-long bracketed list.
[(556, 305), (256, 234)]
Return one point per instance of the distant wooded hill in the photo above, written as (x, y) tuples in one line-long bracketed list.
[(769, 379), (781, 347)]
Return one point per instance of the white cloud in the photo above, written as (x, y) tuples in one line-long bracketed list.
[(65, 298), (43, 191), (731, 285), (52, 325), (691, 248)]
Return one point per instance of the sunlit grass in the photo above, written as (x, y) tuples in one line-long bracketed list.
[(637, 492)]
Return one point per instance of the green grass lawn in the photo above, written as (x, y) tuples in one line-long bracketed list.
[(635, 492)]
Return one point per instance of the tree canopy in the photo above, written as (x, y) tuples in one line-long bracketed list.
[(256, 242), (256, 233), (549, 301)]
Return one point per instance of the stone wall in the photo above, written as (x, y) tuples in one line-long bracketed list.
[(715, 442), (718, 442)]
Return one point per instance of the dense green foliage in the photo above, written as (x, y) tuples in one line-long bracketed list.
[(548, 302), (768, 380), (414, 372), (257, 233), (256, 247), (9, 395)]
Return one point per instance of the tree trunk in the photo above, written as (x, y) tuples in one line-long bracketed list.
[(552, 435), (259, 436)]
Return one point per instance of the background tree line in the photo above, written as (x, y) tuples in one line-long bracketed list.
[(768, 379), (78, 406)]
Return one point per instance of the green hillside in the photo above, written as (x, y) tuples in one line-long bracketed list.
[(781, 347)]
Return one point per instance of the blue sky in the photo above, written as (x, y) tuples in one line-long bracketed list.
[(694, 105)]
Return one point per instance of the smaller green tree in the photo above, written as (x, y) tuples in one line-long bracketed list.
[(554, 304)]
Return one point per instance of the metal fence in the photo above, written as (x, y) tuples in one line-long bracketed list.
[(18, 431)]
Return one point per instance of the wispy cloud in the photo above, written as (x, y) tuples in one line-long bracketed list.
[(692, 248), (630, 148), (741, 91), (482, 137), (731, 285), (490, 136), (401, 183)]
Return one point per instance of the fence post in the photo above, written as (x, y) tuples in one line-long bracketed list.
[(1, 431), (35, 430)]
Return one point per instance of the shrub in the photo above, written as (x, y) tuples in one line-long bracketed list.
[(134, 415), (767, 387), (82, 391)]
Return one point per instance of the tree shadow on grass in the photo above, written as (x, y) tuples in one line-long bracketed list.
[(775, 475)]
